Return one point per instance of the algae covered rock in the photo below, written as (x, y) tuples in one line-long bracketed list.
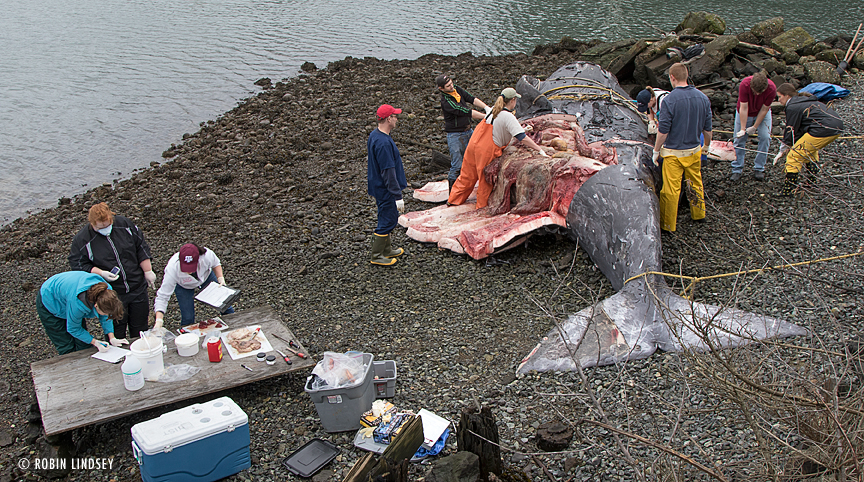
[(795, 40), (766, 30), (702, 22), (819, 71)]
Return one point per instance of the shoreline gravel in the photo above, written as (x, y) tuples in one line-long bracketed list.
[(277, 188)]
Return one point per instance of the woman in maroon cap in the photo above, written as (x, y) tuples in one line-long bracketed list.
[(192, 267)]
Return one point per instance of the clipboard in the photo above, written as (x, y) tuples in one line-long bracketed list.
[(218, 296)]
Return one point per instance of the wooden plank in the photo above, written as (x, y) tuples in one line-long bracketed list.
[(76, 390)]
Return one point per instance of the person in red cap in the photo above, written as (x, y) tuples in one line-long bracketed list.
[(191, 268), (386, 179)]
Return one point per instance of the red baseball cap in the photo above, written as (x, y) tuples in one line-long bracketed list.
[(386, 111), (189, 258)]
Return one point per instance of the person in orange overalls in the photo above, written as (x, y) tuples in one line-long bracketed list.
[(490, 137)]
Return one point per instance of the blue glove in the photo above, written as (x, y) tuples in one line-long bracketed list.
[(704, 157)]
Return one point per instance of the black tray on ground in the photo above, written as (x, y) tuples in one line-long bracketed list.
[(310, 458)]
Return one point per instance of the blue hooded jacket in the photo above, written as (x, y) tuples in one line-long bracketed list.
[(60, 297)]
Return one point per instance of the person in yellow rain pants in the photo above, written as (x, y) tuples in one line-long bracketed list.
[(685, 116), (490, 137), (810, 126)]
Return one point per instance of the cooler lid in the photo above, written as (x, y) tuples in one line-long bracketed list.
[(187, 425)]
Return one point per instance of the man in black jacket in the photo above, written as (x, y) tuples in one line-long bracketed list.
[(456, 104), (111, 241)]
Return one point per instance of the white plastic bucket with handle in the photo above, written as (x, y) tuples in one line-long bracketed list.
[(148, 351)]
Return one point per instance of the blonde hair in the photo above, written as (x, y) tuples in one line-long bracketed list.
[(679, 71), (499, 106), (100, 213)]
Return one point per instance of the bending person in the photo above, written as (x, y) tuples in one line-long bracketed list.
[(111, 241), (191, 268), (66, 299), (491, 136), (810, 126)]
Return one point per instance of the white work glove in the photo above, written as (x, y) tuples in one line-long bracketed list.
[(783, 151), (119, 342), (158, 324), (221, 280), (655, 156), (751, 131), (741, 133), (652, 127), (100, 345), (108, 276), (150, 276), (543, 153), (400, 205)]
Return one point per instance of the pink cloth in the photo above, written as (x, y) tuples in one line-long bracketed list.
[(755, 102)]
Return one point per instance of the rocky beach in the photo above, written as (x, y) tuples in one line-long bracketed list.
[(277, 188)]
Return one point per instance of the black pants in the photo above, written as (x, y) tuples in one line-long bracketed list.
[(136, 313)]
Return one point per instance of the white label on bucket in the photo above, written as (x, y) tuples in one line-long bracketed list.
[(334, 398)]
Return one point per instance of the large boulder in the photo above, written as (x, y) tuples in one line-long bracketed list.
[(702, 22), (832, 56), (795, 40), (460, 467), (766, 30), (819, 71), (858, 60), (774, 66), (716, 52)]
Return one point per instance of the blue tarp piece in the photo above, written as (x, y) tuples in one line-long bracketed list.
[(825, 91)]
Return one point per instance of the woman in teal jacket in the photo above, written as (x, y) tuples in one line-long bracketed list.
[(66, 299)]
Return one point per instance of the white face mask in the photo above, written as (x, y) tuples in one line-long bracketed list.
[(106, 230)]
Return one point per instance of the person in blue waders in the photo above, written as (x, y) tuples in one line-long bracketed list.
[(386, 179)]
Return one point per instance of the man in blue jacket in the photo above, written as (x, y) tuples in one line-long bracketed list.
[(456, 105), (386, 179)]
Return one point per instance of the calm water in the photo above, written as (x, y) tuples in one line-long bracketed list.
[(90, 91)]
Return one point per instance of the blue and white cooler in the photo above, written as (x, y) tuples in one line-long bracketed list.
[(202, 443)]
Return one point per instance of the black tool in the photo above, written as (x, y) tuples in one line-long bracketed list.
[(287, 360), (244, 366), (290, 343)]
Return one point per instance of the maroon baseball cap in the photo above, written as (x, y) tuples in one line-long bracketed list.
[(386, 111), (189, 258)]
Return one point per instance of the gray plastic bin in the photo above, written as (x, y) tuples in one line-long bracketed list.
[(385, 379), (340, 408)]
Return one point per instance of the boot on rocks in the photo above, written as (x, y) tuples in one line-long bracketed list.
[(811, 171), (380, 242), (790, 184), (389, 252)]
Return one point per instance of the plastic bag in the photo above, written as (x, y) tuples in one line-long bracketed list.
[(206, 336), (178, 373), (162, 333), (337, 370), (435, 450)]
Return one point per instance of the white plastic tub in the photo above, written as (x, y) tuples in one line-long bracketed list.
[(149, 352), (187, 344)]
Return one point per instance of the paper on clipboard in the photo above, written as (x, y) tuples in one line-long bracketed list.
[(433, 427), (113, 355), (215, 295)]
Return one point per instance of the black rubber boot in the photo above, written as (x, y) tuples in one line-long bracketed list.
[(790, 185), (450, 183), (811, 171), (389, 252), (379, 242)]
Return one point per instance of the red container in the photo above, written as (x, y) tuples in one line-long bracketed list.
[(214, 349)]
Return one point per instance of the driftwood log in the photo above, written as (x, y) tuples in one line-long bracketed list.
[(483, 424)]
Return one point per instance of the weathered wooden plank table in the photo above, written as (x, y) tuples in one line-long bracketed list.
[(76, 390)]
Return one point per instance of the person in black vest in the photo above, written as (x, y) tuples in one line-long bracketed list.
[(111, 241), (456, 104)]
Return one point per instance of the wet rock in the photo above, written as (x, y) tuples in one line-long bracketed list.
[(459, 467), (702, 22), (819, 71), (794, 40), (716, 52), (264, 82), (6, 438), (766, 30), (832, 56), (308, 67)]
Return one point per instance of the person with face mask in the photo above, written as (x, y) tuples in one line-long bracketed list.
[(112, 242), (193, 267)]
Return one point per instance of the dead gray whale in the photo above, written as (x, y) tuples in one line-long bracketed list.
[(614, 218)]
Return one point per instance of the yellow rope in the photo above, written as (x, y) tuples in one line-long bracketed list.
[(695, 279)]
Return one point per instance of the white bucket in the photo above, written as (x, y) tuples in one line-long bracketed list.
[(187, 344), (149, 352)]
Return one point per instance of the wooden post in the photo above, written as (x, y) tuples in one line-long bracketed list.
[(482, 424), (393, 464)]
